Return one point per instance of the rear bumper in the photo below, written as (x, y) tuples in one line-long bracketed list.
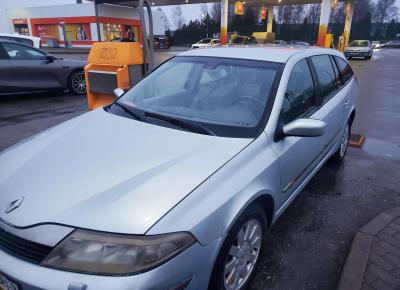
[(191, 270)]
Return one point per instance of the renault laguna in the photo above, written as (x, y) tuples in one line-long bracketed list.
[(176, 183)]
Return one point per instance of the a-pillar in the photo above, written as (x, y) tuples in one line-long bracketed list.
[(224, 22), (270, 18), (349, 8), (324, 21)]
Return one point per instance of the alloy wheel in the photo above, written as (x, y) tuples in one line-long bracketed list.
[(243, 255), (78, 83), (344, 141)]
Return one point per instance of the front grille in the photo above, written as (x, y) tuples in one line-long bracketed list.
[(23, 249)]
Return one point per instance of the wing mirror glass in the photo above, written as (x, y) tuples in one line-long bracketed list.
[(304, 128), (118, 92)]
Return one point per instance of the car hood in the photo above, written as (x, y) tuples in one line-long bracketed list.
[(106, 172)]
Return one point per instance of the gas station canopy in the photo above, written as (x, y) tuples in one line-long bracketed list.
[(257, 3)]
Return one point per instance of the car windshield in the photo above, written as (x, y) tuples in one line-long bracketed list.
[(228, 96), (205, 40), (359, 43)]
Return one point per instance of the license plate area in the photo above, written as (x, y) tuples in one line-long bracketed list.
[(7, 284)]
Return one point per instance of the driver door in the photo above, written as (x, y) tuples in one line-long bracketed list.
[(30, 68)]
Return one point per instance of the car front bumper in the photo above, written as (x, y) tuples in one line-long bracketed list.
[(356, 53), (188, 270)]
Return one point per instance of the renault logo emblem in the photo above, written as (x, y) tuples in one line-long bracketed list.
[(14, 204)]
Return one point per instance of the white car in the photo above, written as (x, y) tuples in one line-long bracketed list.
[(206, 42), (27, 39), (376, 44), (176, 183), (359, 48)]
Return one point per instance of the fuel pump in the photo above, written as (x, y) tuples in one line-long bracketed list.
[(114, 65)]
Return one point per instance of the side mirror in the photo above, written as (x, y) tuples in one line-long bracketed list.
[(118, 92), (50, 58), (304, 128)]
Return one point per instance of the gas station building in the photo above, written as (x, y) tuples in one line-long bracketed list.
[(77, 23)]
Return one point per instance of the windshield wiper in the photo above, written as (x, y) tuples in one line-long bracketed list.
[(130, 112), (193, 127)]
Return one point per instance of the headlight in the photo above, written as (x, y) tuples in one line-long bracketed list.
[(115, 254)]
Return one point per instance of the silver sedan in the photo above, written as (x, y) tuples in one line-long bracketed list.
[(24, 68)]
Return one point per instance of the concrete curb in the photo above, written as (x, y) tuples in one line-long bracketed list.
[(356, 263)]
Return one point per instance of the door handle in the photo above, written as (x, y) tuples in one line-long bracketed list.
[(346, 103)]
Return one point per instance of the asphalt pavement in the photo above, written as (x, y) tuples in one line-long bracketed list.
[(307, 247)]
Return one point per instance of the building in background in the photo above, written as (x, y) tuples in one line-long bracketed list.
[(76, 23)]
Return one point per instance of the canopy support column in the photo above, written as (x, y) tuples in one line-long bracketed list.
[(96, 11), (323, 22), (349, 8), (224, 22), (270, 17)]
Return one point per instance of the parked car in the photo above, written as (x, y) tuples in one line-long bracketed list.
[(26, 39), (122, 39), (240, 39), (392, 44), (25, 69), (298, 42), (359, 48), (280, 42), (175, 184), (161, 42), (206, 42), (376, 44)]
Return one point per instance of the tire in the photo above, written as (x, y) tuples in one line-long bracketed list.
[(340, 154), (253, 217), (76, 82)]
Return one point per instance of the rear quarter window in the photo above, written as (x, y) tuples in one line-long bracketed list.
[(345, 70)]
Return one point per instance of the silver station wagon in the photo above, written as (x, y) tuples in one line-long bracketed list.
[(175, 184)]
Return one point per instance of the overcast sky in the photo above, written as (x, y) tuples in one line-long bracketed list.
[(190, 11)]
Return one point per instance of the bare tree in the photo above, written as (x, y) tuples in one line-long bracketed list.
[(167, 24), (288, 13), (216, 11), (337, 15), (178, 18), (362, 9), (204, 10), (298, 15), (385, 10), (313, 13)]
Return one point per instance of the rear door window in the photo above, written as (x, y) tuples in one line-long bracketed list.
[(345, 70), (326, 76)]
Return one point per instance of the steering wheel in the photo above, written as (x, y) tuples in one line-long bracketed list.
[(250, 99)]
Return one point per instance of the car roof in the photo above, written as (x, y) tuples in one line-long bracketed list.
[(273, 53), (18, 35)]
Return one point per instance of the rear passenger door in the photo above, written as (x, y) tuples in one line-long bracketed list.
[(333, 98), (7, 80)]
